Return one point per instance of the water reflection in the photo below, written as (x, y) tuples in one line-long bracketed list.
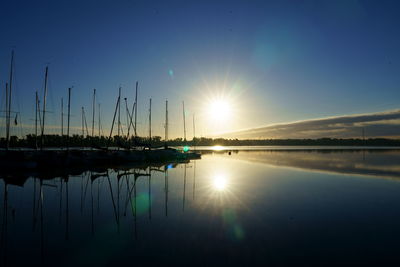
[(218, 148), (184, 188), (197, 212), (121, 187), (381, 163), (219, 182)]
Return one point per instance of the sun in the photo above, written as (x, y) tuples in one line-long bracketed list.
[(219, 109)]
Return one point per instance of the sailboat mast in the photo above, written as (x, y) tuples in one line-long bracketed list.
[(128, 116), (69, 109), (150, 122), (62, 117), (194, 130), (85, 121), (7, 120), (8, 108), (119, 111), (136, 104), (94, 104), (99, 119), (166, 120), (44, 107), (113, 121), (83, 126), (184, 121), (36, 118)]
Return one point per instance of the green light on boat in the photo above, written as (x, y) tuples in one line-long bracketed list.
[(185, 148)]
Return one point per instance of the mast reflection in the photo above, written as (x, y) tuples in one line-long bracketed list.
[(122, 184)]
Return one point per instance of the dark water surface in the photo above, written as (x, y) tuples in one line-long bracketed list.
[(247, 208)]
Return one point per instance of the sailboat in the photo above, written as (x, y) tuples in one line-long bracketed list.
[(78, 158), (13, 159)]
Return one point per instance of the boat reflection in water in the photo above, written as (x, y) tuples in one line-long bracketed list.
[(69, 189), (299, 207)]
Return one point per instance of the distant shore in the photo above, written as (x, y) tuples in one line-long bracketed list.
[(30, 141)]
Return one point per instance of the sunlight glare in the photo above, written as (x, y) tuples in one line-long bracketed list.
[(220, 183), (217, 148), (219, 109)]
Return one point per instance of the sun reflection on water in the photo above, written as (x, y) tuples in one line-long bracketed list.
[(219, 182), (217, 148)]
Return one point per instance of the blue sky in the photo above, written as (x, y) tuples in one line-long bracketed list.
[(274, 61)]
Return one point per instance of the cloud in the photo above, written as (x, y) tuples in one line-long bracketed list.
[(381, 124)]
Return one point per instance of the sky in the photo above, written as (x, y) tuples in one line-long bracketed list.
[(267, 62)]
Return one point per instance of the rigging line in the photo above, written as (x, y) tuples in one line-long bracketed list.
[(84, 117), (122, 130), (128, 116), (112, 199), (39, 114), (86, 186), (131, 119), (44, 107), (113, 121)]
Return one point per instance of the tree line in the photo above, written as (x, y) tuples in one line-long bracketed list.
[(32, 141)]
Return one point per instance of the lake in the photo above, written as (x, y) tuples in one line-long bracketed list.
[(232, 207)]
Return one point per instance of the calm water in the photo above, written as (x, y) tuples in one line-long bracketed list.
[(247, 208)]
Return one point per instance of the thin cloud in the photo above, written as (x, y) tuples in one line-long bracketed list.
[(374, 125)]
